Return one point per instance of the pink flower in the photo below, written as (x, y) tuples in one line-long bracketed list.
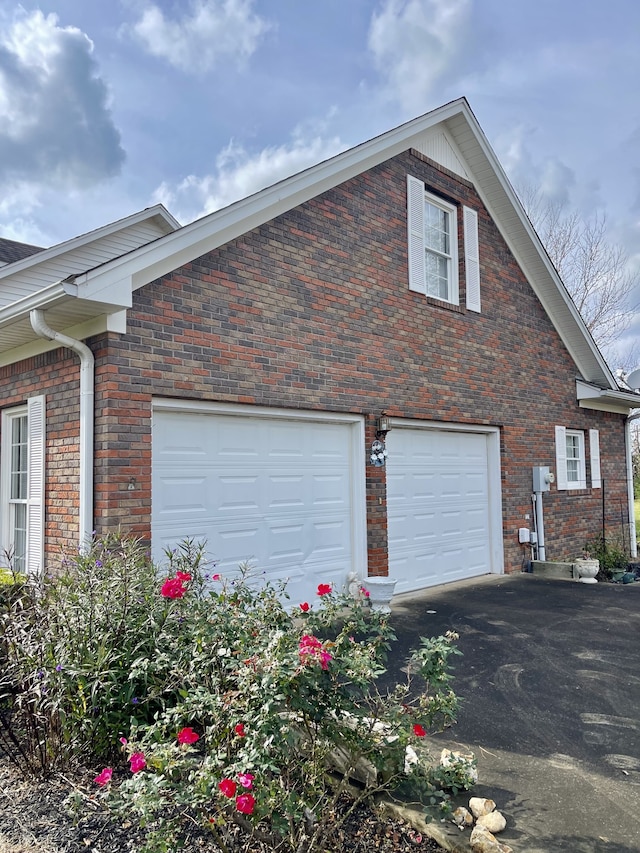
[(187, 735), (137, 762), (124, 741), (227, 787), (246, 779), (172, 588), (183, 576), (311, 649), (364, 591), (324, 589), (304, 606), (104, 776), (418, 730), (239, 730), (215, 577), (246, 803)]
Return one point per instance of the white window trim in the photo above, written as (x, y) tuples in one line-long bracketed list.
[(453, 269), (562, 479), (35, 411)]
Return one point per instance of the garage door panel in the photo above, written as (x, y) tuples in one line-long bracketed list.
[(439, 520)]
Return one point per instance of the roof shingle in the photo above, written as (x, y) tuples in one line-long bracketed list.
[(11, 250)]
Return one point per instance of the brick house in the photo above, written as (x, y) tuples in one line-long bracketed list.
[(225, 380)]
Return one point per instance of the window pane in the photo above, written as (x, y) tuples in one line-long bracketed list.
[(19, 536), (572, 470), (18, 479), (436, 228), (437, 275)]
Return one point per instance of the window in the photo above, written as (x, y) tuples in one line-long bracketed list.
[(433, 247), (439, 234), (571, 458), (576, 478), (22, 485)]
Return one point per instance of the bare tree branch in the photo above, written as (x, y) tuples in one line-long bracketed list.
[(594, 270)]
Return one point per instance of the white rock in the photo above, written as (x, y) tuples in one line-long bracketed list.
[(480, 806), (462, 817), (494, 821), (483, 841)]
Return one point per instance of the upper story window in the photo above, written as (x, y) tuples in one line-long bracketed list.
[(441, 257), (433, 247)]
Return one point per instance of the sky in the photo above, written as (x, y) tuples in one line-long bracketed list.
[(109, 106)]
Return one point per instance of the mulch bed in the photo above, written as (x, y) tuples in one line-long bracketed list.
[(34, 817)]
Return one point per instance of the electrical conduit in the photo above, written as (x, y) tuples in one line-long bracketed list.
[(87, 371)]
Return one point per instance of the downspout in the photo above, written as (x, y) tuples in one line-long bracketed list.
[(87, 370), (632, 518)]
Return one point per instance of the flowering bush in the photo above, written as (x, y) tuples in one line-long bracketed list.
[(83, 654), (221, 704)]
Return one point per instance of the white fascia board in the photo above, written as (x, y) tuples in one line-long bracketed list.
[(157, 211), (606, 400), (41, 299), (116, 293)]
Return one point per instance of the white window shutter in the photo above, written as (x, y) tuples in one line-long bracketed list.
[(594, 450), (471, 258), (35, 485), (415, 220), (561, 457)]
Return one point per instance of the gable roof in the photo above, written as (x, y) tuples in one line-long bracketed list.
[(12, 250), (450, 135)]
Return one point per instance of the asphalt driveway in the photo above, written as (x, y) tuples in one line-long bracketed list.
[(550, 690)]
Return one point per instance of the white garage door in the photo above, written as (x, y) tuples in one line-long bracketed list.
[(438, 491), (278, 492)]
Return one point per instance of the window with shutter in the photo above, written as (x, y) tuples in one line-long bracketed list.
[(433, 247), (570, 459), (22, 485)]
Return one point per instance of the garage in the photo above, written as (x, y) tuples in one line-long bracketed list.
[(275, 488), (443, 495)]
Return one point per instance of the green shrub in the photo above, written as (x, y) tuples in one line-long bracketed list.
[(72, 641), (232, 707), (610, 553)]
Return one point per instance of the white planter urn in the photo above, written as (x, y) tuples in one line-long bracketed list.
[(587, 570), (380, 593)]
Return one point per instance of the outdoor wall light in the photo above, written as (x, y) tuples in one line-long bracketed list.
[(378, 455), (383, 425), (131, 485)]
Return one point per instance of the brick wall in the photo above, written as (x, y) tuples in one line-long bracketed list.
[(313, 311)]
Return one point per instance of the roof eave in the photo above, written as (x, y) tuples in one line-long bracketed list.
[(605, 399)]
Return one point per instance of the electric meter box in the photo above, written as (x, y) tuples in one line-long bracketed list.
[(541, 478)]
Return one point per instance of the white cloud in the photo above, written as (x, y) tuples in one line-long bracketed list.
[(414, 43), (239, 173), (55, 123), (213, 31)]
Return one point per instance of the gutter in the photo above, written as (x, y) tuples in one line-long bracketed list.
[(87, 415)]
